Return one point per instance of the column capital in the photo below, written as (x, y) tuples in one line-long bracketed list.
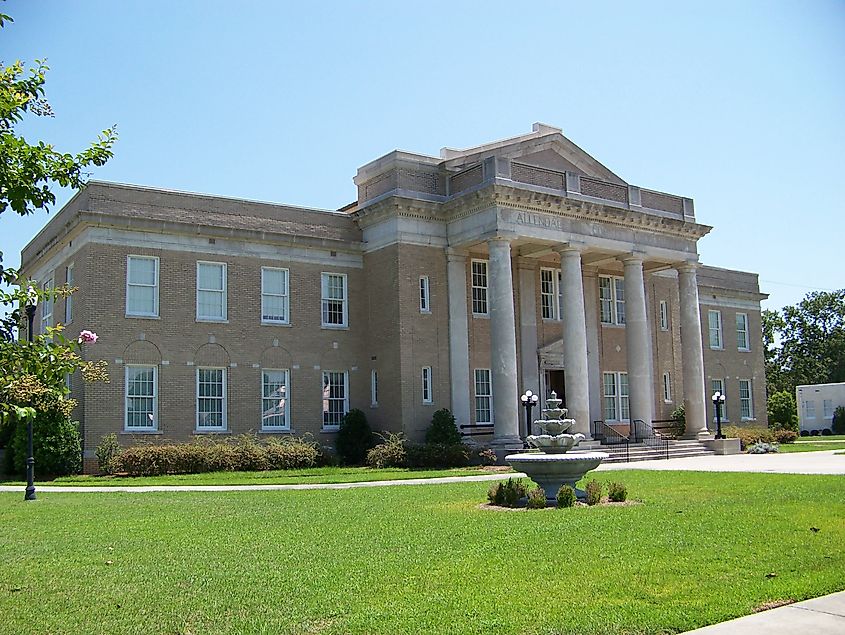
[(456, 255), (500, 239), (687, 267), (633, 258), (569, 248)]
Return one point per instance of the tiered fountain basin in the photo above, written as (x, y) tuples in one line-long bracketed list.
[(550, 464)]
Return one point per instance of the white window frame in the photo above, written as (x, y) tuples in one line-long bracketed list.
[(619, 394), (480, 292), (47, 304), (667, 388), (155, 286), (325, 277), (373, 388), (550, 299), (427, 385), (223, 317), (284, 296), (746, 403), (326, 398), (809, 409), (742, 332), (717, 342), (483, 378), (69, 298), (223, 401), (612, 300), (425, 297), (718, 385), (664, 315), (827, 408), (153, 426), (268, 410)]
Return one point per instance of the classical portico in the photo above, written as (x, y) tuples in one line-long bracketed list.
[(523, 207)]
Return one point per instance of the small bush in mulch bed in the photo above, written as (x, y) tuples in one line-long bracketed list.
[(566, 496), (617, 492), (536, 499), (593, 490), (506, 494)]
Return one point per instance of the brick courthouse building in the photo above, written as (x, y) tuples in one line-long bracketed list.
[(455, 281)]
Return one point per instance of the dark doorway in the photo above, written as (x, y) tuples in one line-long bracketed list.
[(555, 382)]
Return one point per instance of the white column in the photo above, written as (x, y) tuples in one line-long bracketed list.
[(528, 326), (591, 303), (640, 390), (456, 269), (503, 346), (576, 375), (692, 354)]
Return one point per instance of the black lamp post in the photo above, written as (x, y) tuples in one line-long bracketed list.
[(718, 401), (31, 304), (529, 400)]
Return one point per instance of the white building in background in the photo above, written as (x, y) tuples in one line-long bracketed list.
[(817, 403)]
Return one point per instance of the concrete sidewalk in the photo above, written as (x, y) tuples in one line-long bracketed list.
[(820, 616)]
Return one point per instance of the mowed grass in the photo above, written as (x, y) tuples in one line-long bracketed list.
[(699, 549), (271, 477), (811, 447)]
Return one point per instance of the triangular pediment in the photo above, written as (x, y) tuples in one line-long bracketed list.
[(545, 147)]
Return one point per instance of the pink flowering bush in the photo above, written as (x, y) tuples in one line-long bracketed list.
[(87, 337)]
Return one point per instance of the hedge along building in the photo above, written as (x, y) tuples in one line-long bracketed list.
[(455, 281)]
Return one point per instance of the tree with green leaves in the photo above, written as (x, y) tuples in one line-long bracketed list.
[(32, 374)]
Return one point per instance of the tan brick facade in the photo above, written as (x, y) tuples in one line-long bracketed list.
[(383, 248)]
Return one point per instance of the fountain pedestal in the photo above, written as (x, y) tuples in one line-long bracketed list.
[(551, 465)]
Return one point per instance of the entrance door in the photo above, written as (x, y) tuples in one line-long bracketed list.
[(555, 382)]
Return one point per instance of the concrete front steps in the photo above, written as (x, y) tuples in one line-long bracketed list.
[(641, 452)]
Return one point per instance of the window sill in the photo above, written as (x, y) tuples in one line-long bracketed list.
[(613, 326), (335, 327), (331, 429), (743, 350), (717, 348), (135, 316), (552, 320), (269, 323), (425, 311), (482, 316), (667, 401), (213, 320), (374, 405), (211, 432), (279, 431), (749, 419), (139, 432)]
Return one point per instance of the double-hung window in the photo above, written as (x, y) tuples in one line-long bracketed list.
[(335, 398), (211, 291), (612, 299), (373, 388), (69, 299), (142, 286), (809, 409), (333, 300), (827, 405), (667, 388), (47, 306), (425, 298), (714, 321), (664, 315), (742, 332), (479, 287), (746, 404), (427, 397), (211, 399), (275, 400), (274, 296), (483, 396), (718, 385), (616, 400), (550, 300), (141, 399)]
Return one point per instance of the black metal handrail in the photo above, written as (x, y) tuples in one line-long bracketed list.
[(476, 429), (668, 428), (606, 435), (644, 433)]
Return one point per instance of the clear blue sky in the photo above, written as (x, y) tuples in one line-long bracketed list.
[(739, 105)]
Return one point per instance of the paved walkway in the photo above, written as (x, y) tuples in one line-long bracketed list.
[(820, 616)]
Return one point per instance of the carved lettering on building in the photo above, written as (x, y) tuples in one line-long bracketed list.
[(538, 220)]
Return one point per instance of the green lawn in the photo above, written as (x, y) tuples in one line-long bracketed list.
[(833, 437), (276, 477), (810, 447), (701, 548)]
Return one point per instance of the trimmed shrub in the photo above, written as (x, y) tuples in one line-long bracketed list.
[(827, 432), (762, 447), (617, 492), (513, 491), (291, 453), (679, 416), (487, 457), (391, 453), (782, 411), (593, 490), (814, 433), (496, 494), (749, 436), (56, 446), (783, 435), (838, 423), (438, 455), (536, 499), (565, 496), (805, 433), (354, 438), (443, 430), (107, 451)]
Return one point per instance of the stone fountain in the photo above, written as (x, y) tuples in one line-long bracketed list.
[(550, 464)]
